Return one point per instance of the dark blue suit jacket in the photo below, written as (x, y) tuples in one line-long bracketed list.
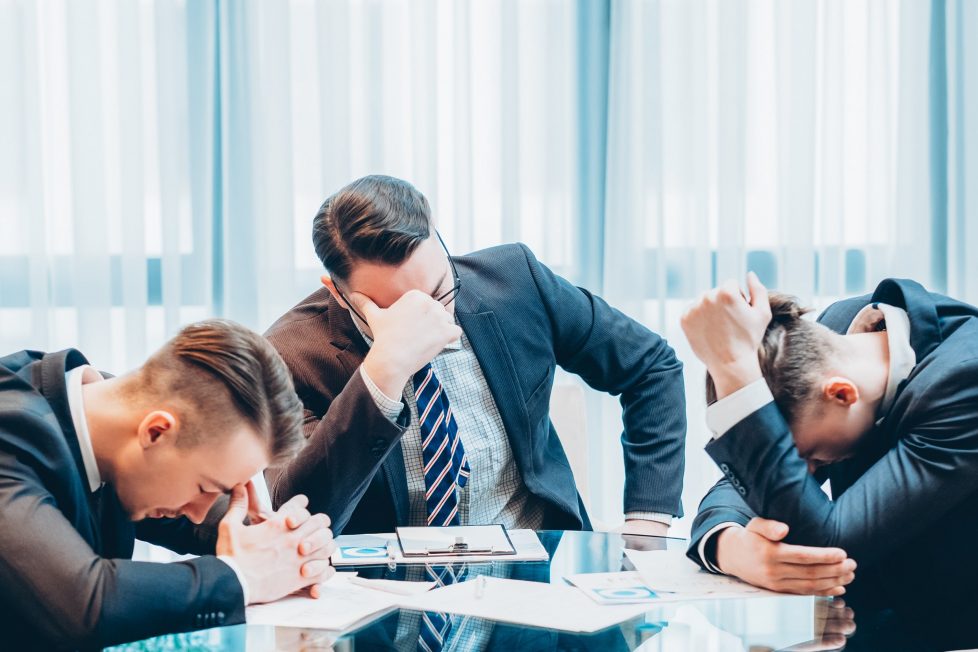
[(66, 580), (905, 506), (522, 321)]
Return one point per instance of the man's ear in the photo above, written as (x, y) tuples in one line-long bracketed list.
[(157, 428), (840, 390), (329, 285)]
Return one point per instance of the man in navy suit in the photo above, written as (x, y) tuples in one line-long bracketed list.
[(880, 397), (426, 380)]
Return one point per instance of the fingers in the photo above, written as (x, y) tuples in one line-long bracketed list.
[(770, 530), (297, 517), (312, 537), (806, 555), (256, 511), (238, 506), (317, 541), (294, 506), (314, 568), (817, 571), (758, 293), (364, 305)]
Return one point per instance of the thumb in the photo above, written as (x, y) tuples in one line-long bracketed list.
[(770, 530), (364, 305), (758, 293), (238, 507)]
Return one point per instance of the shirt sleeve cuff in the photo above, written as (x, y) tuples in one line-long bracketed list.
[(665, 519), (701, 548), (237, 571), (731, 410), (388, 406)]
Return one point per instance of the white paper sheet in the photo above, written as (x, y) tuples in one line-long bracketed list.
[(554, 606), (615, 588), (342, 604), (373, 549), (671, 571)]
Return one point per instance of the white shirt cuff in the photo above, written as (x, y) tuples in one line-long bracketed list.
[(658, 517), (237, 571), (731, 410), (388, 406), (701, 548)]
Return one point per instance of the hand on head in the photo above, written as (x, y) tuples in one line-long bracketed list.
[(407, 336), (725, 329), (282, 552)]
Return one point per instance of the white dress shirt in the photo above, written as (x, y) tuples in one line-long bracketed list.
[(730, 410), (76, 405)]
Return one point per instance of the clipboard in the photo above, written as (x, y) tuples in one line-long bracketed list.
[(455, 541)]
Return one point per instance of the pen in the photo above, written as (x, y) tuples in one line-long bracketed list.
[(391, 560), (480, 586)]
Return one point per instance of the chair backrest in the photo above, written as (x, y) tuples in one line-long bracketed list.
[(569, 416)]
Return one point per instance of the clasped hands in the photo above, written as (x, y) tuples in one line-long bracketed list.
[(278, 553)]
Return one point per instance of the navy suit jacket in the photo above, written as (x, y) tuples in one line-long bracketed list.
[(905, 507), (66, 578), (522, 321)]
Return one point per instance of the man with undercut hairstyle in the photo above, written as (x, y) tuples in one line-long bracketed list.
[(88, 463)]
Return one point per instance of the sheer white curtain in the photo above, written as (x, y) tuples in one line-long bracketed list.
[(162, 161), (103, 176), (475, 103), (796, 139)]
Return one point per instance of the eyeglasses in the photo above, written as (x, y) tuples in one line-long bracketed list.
[(445, 299)]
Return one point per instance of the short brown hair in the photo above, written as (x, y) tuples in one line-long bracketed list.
[(225, 373), (375, 219), (793, 357)]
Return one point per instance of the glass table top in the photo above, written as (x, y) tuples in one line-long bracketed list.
[(798, 623)]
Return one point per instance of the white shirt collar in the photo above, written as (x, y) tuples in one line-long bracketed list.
[(76, 404), (902, 356)]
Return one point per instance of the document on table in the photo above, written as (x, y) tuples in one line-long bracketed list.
[(468, 540), (615, 588), (553, 606), (375, 549), (345, 601), (675, 577)]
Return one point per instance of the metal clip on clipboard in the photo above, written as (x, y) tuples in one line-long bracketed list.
[(460, 547)]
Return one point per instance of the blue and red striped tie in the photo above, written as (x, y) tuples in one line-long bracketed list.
[(445, 470), (446, 467)]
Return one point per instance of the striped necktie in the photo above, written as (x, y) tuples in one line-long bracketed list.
[(445, 465)]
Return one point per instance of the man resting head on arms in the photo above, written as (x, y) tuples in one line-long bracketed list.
[(89, 463), (879, 397)]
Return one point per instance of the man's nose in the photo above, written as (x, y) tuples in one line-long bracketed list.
[(196, 510)]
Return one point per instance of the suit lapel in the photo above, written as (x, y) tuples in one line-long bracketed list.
[(486, 337), (351, 349), (54, 366)]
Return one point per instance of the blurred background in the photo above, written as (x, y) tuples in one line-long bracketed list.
[(161, 162)]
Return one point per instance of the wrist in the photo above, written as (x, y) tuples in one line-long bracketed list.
[(385, 376), (728, 377), (726, 543)]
